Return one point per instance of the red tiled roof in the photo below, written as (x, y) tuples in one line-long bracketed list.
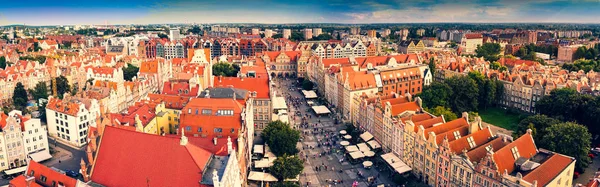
[(51, 175), (400, 108), (457, 123), (129, 158), (258, 85), (180, 88), (20, 181), (479, 138), (428, 123), (548, 170), (473, 35), (171, 101), (417, 117), (143, 111), (475, 155), (504, 157)]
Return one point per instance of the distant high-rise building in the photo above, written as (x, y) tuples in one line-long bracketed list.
[(308, 34), (386, 32), (317, 31), (174, 34), (372, 33), (268, 33), (355, 30), (255, 31), (287, 33)]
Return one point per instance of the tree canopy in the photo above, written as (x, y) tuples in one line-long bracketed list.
[(307, 84), (277, 36), (286, 167), (489, 51), (566, 104), (582, 64), (443, 111), (20, 96), (40, 91), (569, 139), (225, 69), (436, 94), (537, 123), (323, 37), (465, 94), (130, 71), (281, 138), (296, 36), (62, 86), (2, 62)]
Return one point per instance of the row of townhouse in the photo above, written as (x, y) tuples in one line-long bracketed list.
[(458, 152), (28, 73), (21, 137), (339, 50), (341, 80), (524, 82), (234, 47)]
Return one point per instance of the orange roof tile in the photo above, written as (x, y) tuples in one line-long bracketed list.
[(259, 85), (479, 138), (549, 170), (115, 165), (428, 123), (475, 155), (446, 127), (504, 157), (400, 108), (417, 117), (39, 170)]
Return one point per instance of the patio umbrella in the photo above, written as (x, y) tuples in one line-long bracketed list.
[(347, 137), (344, 143), (367, 164), (343, 132)]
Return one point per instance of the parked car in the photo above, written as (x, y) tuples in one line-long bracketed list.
[(71, 173)]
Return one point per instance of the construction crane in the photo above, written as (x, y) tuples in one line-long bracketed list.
[(54, 89)]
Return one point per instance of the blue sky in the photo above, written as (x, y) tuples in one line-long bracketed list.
[(70, 12)]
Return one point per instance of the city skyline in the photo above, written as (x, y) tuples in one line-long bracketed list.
[(70, 12)]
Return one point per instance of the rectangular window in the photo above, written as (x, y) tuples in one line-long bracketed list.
[(218, 130), (515, 152), (188, 128), (206, 111), (471, 142), (199, 129)]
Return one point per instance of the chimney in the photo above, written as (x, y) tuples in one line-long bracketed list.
[(29, 180), (466, 116), (215, 140), (184, 139), (229, 145), (529, 131)]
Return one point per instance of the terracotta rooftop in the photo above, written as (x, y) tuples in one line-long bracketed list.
[(504, 157), (549, 170)]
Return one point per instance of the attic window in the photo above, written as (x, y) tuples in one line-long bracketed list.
[(471, 142), (456, 135), (515, 152)]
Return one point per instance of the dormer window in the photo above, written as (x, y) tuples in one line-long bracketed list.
[(471, 142), (456, 135), (515, 152)]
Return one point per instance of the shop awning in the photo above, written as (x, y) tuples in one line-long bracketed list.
[(15, 171), (321, 109), (357, 155), (261, 176), (395, 163), (40, 156), (363, 147), (268, 152), (309, 94), (258, 149), (279, 103), (374, 144), (264, 163), (366, 136), (351, 148)]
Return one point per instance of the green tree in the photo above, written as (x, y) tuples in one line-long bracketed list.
[(443, 111), (307, 85), (569, 139), (281, 138), (465, 94), (296, 36), (323, 37), (286, 167), (130, 71), (277, 36), (2, 62), (195, 30), (163, 36), (537, 123), (580, 53), (62, 86), (285, 184), (40, 91), (489, 51), (436, 94), (431, 66), (225, 69), (20, 96)]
